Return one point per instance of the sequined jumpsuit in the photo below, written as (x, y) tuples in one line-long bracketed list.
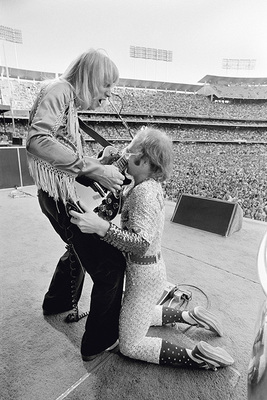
[(142, 222)]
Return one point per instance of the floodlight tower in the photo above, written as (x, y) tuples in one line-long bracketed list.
[(13, 36)]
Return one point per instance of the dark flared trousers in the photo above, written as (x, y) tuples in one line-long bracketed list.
[(105, 265)]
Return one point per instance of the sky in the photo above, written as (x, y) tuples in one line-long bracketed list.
[(200, 34)]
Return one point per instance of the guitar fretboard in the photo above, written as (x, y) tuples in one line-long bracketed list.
[(121, 163)]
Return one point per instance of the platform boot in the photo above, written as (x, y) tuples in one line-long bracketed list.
[(203, 356), (198, 316)]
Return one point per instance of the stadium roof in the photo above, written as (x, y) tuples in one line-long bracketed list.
[(157, 85), (131, 83), (26, 74), (227, 80), (4, 108), (234, 92)]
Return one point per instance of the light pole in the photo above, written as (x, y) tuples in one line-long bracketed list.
[(14, 36)]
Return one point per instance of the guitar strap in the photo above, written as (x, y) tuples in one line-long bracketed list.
[(91, 132)]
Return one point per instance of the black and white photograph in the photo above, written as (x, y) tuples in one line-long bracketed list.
[(133, 199)]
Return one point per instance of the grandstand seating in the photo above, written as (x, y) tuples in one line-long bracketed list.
[(219, 147), (148, 101)]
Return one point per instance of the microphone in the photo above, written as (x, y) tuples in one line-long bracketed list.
[(120, 117)]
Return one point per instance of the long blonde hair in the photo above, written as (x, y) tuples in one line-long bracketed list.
[(89, 73)]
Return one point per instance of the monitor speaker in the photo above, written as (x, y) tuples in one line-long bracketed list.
[(211, 215)]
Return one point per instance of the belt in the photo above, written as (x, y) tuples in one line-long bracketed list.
[(143, 260)]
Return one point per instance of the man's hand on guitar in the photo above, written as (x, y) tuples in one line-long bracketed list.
[(107, 176), (111, 179), (89, 221)]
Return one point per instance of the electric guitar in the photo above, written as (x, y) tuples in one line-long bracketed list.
[(105, 204)]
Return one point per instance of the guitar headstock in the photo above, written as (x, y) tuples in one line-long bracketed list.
[(109, 156)]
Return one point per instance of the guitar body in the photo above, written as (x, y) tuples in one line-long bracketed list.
[(110, 206), (112, 203), (106, 205), (90, 197)]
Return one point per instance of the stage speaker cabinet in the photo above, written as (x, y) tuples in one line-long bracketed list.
[(17, 141), (211, 215)]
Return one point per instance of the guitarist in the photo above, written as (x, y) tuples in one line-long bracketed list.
[(56, 159)]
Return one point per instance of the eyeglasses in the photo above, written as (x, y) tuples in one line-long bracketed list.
[(127, 154)]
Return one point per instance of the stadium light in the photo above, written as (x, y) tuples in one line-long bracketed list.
[(150, 53), (10, 34), (247, 64), (14, 36)]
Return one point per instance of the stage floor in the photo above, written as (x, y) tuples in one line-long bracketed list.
[(41, 355)]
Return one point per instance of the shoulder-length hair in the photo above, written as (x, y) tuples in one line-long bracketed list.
[(89, 73), (156, 147)]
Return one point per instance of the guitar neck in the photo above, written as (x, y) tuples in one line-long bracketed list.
[(121, 163)]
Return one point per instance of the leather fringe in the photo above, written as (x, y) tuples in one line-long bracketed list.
[(56, 183)]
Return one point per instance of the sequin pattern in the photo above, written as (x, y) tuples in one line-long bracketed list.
[(125, 241), (143, 213)]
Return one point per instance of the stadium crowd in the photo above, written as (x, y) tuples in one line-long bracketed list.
[(183, 132), (149, 101), (233, 169), (176, 103), (230, 172)]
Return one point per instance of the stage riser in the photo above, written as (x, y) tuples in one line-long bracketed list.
[(13, 168)]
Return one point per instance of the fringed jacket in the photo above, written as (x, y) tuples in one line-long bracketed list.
[(55, 144)]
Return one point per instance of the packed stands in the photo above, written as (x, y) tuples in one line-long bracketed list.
[(151, 101), (219, 133)]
